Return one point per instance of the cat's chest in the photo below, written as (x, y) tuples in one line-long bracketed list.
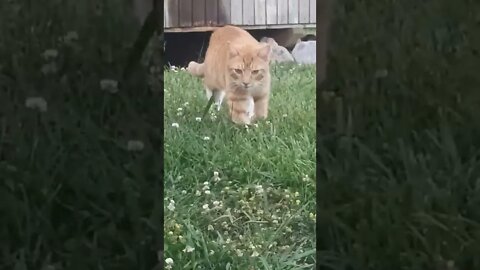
[(257, 92)]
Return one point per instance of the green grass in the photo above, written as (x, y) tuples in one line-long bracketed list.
[(278, 155), (399, 145), (72, 196)]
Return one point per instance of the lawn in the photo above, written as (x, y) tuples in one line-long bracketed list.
[(237, 197), (398, 146), (77, 191)]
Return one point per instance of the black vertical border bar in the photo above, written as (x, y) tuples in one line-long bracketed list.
[(158, 139), (324, 10)]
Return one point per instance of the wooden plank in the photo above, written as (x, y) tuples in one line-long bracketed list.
[(186, 14), (165, 14), (172, 9), (282, 11), (248, 12), (236, 12), (313, 11), (211, 12), (260, 12), (249, 27), (199, 12), (304, 12), (293, 11), (224, 12), (272, 16)]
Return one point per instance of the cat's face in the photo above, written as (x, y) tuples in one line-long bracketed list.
[(248, 66)]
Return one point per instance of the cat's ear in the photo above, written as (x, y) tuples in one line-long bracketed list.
[(232, 51), (264, 52)]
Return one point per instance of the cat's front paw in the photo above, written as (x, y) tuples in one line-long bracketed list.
[(242, 120)]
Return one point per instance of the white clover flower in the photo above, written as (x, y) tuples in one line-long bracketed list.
[(49, 68), (211, 252), (296, 194), (179, 113), (198, 119), (171, 206), (198, 193), (210, 227), (205, 206), (216, 178), (255, 254), (188, 249), (175, 125), (184, 192), (239, 252), (70, 37), (207, 192), (180, 109), (216, 203), (169, 261), (50, 53), (206, 138), (134, 145), (186, 104), (36, 103), (109, 85), (297, 202), (284, 115)]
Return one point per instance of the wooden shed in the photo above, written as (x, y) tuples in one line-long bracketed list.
[(205, 15)]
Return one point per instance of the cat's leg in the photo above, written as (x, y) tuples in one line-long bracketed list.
[(261, 107), (240, 109), (219, 96), (208, 93), (251, 107)]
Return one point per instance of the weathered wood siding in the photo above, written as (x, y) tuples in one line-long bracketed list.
[(248, 13)]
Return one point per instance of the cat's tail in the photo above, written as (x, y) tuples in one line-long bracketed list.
[(196, 69)]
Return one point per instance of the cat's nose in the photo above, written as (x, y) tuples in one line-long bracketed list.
[(246, 84)]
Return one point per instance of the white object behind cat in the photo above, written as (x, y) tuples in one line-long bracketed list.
[(305, 52)]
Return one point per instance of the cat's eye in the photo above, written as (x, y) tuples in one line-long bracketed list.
[(238, 71), (256, 71)]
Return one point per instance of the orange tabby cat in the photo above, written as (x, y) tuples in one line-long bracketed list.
[(236, 67)]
